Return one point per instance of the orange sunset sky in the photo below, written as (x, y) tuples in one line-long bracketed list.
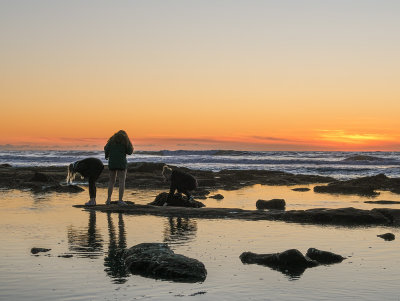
[(249, 75)]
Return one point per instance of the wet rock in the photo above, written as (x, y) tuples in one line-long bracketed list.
[(271, 204), (362, 158), (360, 186), (127, 202), (301, 189), (146, 167), (387, 236), (40, 188), (383, 202), (200, 192), (340, 216), (5, 165), (157, 260), (324, 257), (393, 215), (177, 200), (41, 177), (291, 262), (217, 196), (39, 250), (66, 256)]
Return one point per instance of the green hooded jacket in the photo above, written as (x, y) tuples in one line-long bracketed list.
[(116, 155)]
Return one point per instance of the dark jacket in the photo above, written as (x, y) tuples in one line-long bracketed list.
[(116, 155), (88, 168), (182, 181)]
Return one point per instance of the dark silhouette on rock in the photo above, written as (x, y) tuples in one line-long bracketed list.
[(177, 200), (39, 250), (271, 204), (291, 262), (157, 260), (324, 257), (387, 236)]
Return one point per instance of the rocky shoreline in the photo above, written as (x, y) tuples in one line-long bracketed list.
[(145, 175)]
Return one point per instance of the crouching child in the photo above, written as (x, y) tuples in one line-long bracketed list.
[(180, 181)]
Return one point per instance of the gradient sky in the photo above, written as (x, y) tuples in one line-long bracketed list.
[(252, 75)]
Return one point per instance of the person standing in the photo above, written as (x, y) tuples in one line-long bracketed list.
[(116, 149)]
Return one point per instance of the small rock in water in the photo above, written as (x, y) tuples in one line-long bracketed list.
[(65, 255), (387, 236), (271, 204), (39, 250), (217, 196), (301, 189), (324, 257)]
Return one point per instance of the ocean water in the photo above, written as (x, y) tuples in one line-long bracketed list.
[(334, 164)]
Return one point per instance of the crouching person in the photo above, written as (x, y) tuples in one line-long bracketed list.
[(179, 180), (91, 169)]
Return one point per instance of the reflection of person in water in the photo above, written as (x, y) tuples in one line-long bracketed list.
[(179, 229), (113, 262), (86, 242), (89, 243)]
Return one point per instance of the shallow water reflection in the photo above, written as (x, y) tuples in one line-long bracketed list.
[(86, 242), (179, 230), (113, 262)]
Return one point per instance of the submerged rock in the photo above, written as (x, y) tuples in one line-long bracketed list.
[(387, 236), (324, 257), (177, 200), (217, 196), (39, 250), (157, 260), (291, 262), (271, 204)]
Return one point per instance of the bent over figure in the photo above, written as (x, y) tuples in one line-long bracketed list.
[(179, 180), (89, 168)]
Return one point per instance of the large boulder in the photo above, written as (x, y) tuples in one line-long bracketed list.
[(271, 204), (291, 262), (177, 200), (157, 260), (324, 257)]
